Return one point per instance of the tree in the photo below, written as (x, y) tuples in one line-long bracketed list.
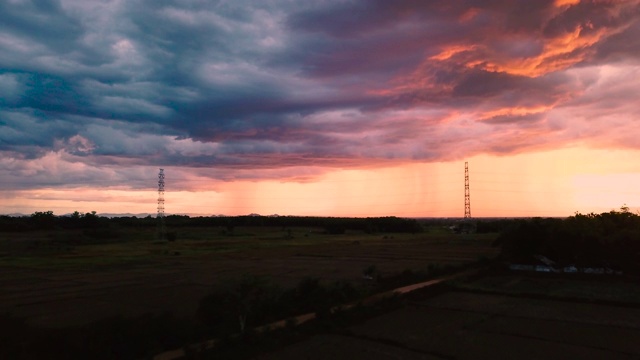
[(609, 239), (89, 220), (248, 299), (43, 219)]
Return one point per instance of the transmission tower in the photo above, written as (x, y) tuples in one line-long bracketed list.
[(467, 198), (160, 215)]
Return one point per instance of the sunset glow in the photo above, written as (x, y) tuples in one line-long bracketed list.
[(305, 109)]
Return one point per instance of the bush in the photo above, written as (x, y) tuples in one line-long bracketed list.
[(240, 304), (172, 236)]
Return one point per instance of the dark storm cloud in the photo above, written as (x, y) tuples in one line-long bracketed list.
[(507, 119), (592, 16), (269, 84), (622, 46), (43, 21), (480, 83)]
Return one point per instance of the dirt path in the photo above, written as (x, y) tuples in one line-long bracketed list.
[(300, 319)]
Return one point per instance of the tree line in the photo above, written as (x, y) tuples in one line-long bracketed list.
[(610, 239), (46, 220)]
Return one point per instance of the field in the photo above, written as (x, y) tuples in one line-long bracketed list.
[(459, 324), (52, 281), (596, 289)]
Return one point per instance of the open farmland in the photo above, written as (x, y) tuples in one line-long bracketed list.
[(462, 325), (599, 289), (54, 282)]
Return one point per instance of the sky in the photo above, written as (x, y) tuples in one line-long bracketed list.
[(330, 108)]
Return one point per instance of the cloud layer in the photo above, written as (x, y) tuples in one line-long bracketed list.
[(104, 92)]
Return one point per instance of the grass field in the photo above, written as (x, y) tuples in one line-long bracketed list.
[(581, 288), (58, 278), (467, 325)]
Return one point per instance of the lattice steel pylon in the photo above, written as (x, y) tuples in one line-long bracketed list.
[(467, 197), (160, 215)]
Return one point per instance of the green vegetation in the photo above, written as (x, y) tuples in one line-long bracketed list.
[(47, 221), (252, 344), (291, 266), (230, 313), (252, 301), (335, 261), (609, 239), (46, 241)]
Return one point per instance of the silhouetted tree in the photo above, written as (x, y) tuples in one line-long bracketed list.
[(244, 302), (606, 239), (43, 220)]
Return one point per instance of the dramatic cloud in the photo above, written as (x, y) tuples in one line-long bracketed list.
[(90, 91)]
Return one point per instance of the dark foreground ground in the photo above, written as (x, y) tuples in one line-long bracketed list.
[(505, 316), (461, 323), (58, 288)]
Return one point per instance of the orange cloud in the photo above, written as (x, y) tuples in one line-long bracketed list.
[(557, 54), (560, 3), (451, 51)]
